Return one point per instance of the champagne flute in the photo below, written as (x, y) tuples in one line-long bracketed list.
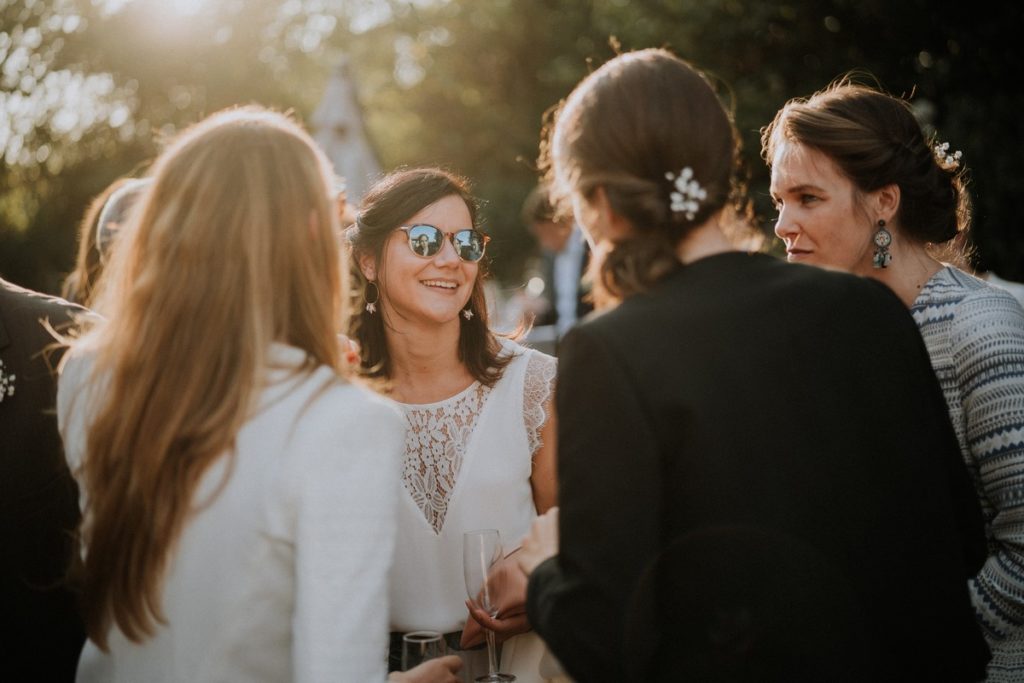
[(481, 551), (420, 646)]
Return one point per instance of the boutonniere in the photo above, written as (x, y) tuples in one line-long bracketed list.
[(6, 383)]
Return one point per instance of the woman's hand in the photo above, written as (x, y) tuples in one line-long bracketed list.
[(440, 670), (541, 543), (508, 584), (505, 626)]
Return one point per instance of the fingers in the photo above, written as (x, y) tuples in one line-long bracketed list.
[(452, 665), (451, 662), (504, 628), (440, 670), (481, 617), (495, 623), (507, 613)]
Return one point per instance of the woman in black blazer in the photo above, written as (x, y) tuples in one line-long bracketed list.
[(753, 455)]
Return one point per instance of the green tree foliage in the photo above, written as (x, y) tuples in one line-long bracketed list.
[(481, 75), (465, 84), (103, 84)]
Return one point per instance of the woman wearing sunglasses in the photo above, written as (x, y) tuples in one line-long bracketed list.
[(480, 425)]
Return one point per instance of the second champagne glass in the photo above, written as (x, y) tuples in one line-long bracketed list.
[(481, 552), (420, 646)]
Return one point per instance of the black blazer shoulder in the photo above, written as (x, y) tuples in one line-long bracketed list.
[(751, 290), (38, 498), (22, 310)]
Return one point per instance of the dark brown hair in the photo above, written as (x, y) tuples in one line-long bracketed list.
[(640, 116), (875, 140), (388, 204)]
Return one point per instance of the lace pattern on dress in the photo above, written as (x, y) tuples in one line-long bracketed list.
[(435, 444), (537, 390)]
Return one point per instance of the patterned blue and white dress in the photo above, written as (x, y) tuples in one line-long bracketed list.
[(975, 337)]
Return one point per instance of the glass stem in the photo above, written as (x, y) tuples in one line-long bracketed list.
[(492, 654)]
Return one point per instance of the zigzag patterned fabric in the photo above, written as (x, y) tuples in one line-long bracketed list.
[(974, 332)]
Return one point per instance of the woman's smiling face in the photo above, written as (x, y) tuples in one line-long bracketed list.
[(431, 290)]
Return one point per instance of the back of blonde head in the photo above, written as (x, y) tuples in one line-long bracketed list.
[(233, 248)]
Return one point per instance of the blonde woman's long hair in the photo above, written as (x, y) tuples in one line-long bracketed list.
[(233, 248)]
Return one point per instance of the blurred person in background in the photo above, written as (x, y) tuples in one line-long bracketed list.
[(42, 632), (80, 282), (564, 256)]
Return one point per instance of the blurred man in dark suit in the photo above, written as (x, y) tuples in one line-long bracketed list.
[(564, 259), (42, 633)]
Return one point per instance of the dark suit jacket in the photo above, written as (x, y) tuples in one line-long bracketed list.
[(798, 403), (42, 633), (547, 273)]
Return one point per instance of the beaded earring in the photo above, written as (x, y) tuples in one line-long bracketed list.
[(882, 240)]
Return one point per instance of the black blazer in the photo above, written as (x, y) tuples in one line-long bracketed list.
[(42, 633), (785, 402)]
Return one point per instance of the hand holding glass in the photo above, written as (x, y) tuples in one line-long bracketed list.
[(421, 646), (481, 551)]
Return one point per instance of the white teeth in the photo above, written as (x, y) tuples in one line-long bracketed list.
[(440, 283)]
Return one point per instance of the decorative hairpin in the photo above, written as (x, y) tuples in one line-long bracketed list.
[(688, 194), (945, 158)]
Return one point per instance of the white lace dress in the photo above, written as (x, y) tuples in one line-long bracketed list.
[(467, 465)]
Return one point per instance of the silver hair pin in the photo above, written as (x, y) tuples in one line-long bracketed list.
[(688, 193)]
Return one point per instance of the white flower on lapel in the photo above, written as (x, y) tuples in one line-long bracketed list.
[(6, 383)]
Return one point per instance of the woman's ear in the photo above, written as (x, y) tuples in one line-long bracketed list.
[(887, 202), (367, 266)]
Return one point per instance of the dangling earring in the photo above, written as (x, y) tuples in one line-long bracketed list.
[(882, 240), (467, 313), (371, 306)]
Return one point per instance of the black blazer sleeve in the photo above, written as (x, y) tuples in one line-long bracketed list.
[(607, 451), (40, 630)]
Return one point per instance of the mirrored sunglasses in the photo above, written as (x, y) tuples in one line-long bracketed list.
[(426, 241)]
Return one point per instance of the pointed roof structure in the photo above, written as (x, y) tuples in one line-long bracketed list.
[(339, 129)]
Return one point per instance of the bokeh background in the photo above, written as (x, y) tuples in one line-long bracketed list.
[(90, 88)]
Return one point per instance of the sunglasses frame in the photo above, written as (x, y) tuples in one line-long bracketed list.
[(450, 236)]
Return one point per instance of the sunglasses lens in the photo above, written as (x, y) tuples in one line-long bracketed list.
[(470, 245), (425, 240)]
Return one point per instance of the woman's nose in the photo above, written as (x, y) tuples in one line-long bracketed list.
[(784, 225), (447, 254)]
